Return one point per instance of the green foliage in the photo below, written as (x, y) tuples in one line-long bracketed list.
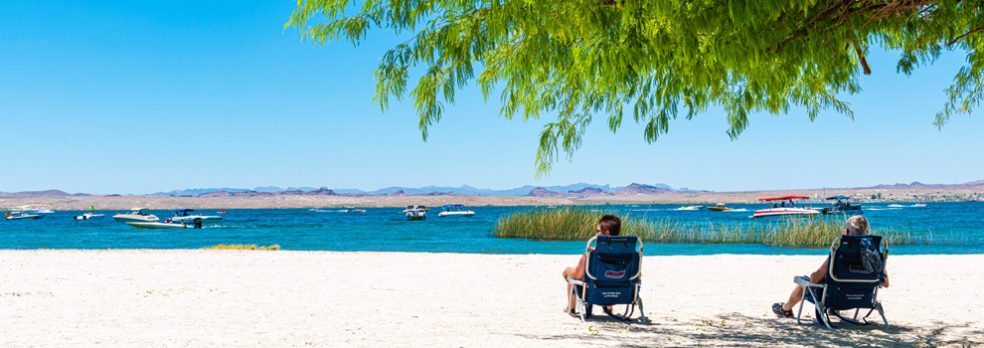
[(655, 60), (579, 224)]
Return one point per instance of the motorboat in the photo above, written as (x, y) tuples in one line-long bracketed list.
[(455, 210), (415, 212), (43, 210), (352, 211), (17, 215), (842, 206), (183, 215), (784, 209), (719, 207), (222, 212), (88, 216), (160, 225), (136, 215), (689, 208)]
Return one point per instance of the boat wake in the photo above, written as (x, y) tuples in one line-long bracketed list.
[(739, 210), (646, 209), (881, 209)]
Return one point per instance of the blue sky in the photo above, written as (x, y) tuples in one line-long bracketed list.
[(143, 96)]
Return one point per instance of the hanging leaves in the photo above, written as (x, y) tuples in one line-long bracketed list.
[(654, 59)]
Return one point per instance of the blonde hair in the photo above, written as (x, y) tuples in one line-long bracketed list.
[(857, 225)]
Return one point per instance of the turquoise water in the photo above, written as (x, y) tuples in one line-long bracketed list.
[(957, 228)]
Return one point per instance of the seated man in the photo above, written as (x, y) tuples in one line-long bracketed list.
[(608, 225), (855, 225)]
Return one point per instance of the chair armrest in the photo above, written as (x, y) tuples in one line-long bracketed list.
[(573, 281), (805, 282)]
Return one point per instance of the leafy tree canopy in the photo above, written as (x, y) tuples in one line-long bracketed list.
[(653, 60)]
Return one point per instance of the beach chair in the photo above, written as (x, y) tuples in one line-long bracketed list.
[(611, 277), (854, 273)]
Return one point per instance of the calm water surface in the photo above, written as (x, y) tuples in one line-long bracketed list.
[(385, 229)]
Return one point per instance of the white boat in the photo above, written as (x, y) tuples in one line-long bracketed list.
[(896, 206), (784, 210), (352, 211), (455, 210), (44, 211), (158, 225), (415, 212), (184, 216), (16, 215), (689, 208), (88, 216), (136, 215), (918, 205)]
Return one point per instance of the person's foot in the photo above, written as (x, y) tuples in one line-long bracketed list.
[(782, 313)]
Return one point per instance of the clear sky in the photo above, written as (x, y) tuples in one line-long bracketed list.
[(141, 96)]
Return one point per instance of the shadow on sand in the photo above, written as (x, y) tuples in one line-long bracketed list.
[(739, 330)]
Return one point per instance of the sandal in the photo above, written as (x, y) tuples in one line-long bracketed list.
[(777, 309)]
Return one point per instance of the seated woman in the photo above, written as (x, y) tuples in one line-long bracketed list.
[(855, 225), (608, 225)]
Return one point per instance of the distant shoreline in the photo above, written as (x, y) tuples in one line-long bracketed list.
[(115, 202)]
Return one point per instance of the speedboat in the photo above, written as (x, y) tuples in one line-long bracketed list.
[(842, 206), (455, 210), (415, 212), (784, 210), (136, 215), (689, 207), (159, 225), (17, 215), (352, 211), (719, 207), (88, 216), (222, 212), (183, 216), (43, 210)]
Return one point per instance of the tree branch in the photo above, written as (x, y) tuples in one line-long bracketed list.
[(958, 38), (864, 62)]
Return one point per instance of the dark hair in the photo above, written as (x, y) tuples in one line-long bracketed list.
[(611, 224)]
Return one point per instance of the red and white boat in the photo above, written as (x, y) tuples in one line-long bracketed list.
[(784, 210)]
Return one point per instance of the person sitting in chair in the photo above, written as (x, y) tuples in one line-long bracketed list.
[(608, 225), (855, 225)]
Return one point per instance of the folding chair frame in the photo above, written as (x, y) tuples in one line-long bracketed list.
[(822, 312), (584, 308)]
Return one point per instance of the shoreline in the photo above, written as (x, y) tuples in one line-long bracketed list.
[(82, 202), (139, 297)]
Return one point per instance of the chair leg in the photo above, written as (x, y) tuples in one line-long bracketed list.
[(799, 313), (642, 313), (881, 311), (822, 315)]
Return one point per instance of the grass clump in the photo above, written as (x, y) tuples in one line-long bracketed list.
[(579, 224), (243, 247)]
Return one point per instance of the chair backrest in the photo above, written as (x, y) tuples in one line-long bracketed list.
[(857, 259), (856, 269), (615, 261)]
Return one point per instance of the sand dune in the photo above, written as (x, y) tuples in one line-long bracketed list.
[(319, 299)]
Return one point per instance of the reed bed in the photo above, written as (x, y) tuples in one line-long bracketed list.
[(243, 247), (579, 224)]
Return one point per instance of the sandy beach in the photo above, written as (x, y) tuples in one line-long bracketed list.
[(178, 298)]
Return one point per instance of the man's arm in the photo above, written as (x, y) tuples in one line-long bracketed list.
[(818, 276)]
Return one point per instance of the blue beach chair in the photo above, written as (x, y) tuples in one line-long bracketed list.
[(611, 277), (855, 272)]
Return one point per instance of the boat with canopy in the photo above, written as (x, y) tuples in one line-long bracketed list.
[(784, 209)]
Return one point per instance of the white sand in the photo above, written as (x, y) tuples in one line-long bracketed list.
[(143, 298)]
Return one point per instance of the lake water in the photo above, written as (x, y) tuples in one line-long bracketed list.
[(386, 229)]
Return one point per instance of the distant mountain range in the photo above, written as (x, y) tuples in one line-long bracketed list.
[(580, 189), (575, 190)]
